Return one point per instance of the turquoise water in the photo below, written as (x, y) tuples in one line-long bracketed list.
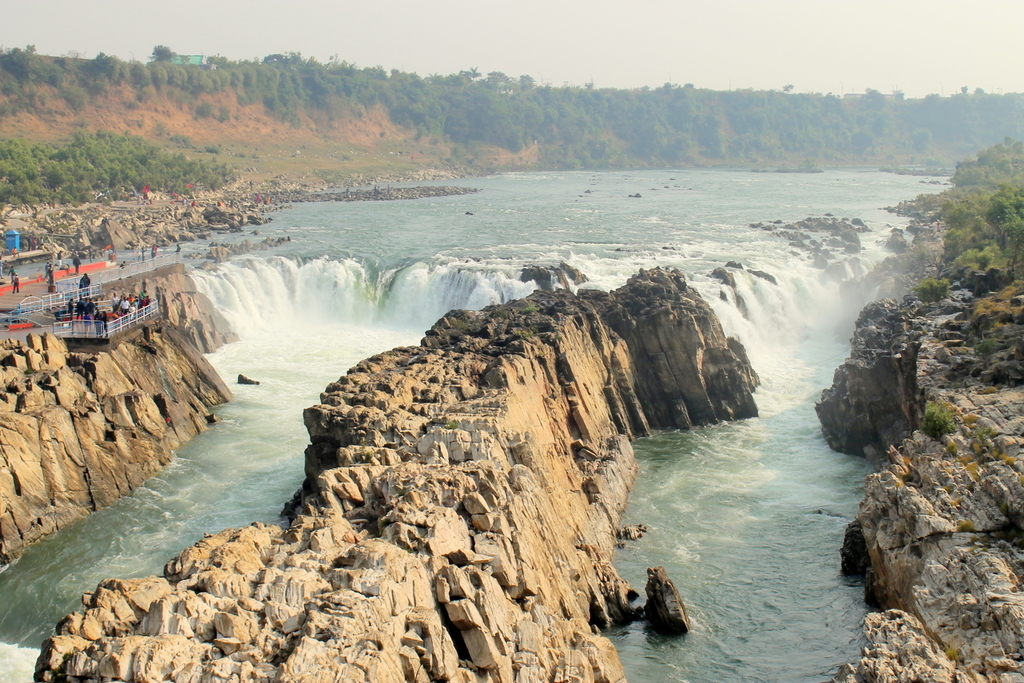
[(747, 518)]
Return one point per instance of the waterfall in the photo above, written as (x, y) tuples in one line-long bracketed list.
[(257, 294)]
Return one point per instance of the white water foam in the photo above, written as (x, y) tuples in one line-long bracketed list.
[(256, 293), (18, 663)]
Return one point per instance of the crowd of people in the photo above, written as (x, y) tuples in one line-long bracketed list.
[(95, 310)]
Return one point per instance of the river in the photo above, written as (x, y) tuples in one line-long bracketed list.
[(746, 517)]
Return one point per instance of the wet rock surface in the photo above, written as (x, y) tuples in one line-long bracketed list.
[(823, 239), (458, 514), (664, 610), (550, 278), (854, 553), (220, 253)]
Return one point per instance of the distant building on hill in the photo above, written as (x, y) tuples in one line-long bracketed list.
[(188, 60), (193, 60)]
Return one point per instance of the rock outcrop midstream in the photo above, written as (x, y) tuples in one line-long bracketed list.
[(943, 520), (79, 430), (458, 514)]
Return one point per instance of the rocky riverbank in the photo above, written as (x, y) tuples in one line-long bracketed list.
[(941, 528), (458, 514), (79, 430), (81, 427)]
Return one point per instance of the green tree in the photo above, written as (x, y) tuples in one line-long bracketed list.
[(162, 53), (1006, 214), (932, 290)]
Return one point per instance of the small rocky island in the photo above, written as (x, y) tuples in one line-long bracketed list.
[(371, 194), (458, 515)]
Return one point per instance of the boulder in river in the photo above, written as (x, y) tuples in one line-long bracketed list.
[(897, 242), (768, 277), (854, 553), (664, 610), (550, 278), (724, 276)]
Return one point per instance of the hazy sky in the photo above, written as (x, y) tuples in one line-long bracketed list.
[(918, 46)]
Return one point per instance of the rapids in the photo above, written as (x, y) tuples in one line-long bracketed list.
[(746, 517)]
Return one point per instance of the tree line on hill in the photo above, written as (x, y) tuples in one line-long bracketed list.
[(573, 127), (97, 166)]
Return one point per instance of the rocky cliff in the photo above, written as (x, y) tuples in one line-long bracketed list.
[(458, 513), (873, 401), (943, 520), (79, 430)]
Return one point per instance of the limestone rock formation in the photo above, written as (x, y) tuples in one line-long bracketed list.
[(874, 400), (375, 194), (458, 514), (687, 371), (220, 253), (79, 430)]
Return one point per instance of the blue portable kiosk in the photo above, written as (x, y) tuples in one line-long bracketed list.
[(13, 240)]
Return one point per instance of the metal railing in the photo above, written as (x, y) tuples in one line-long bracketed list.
[(50, 302), (100, 328), (123, 270)]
